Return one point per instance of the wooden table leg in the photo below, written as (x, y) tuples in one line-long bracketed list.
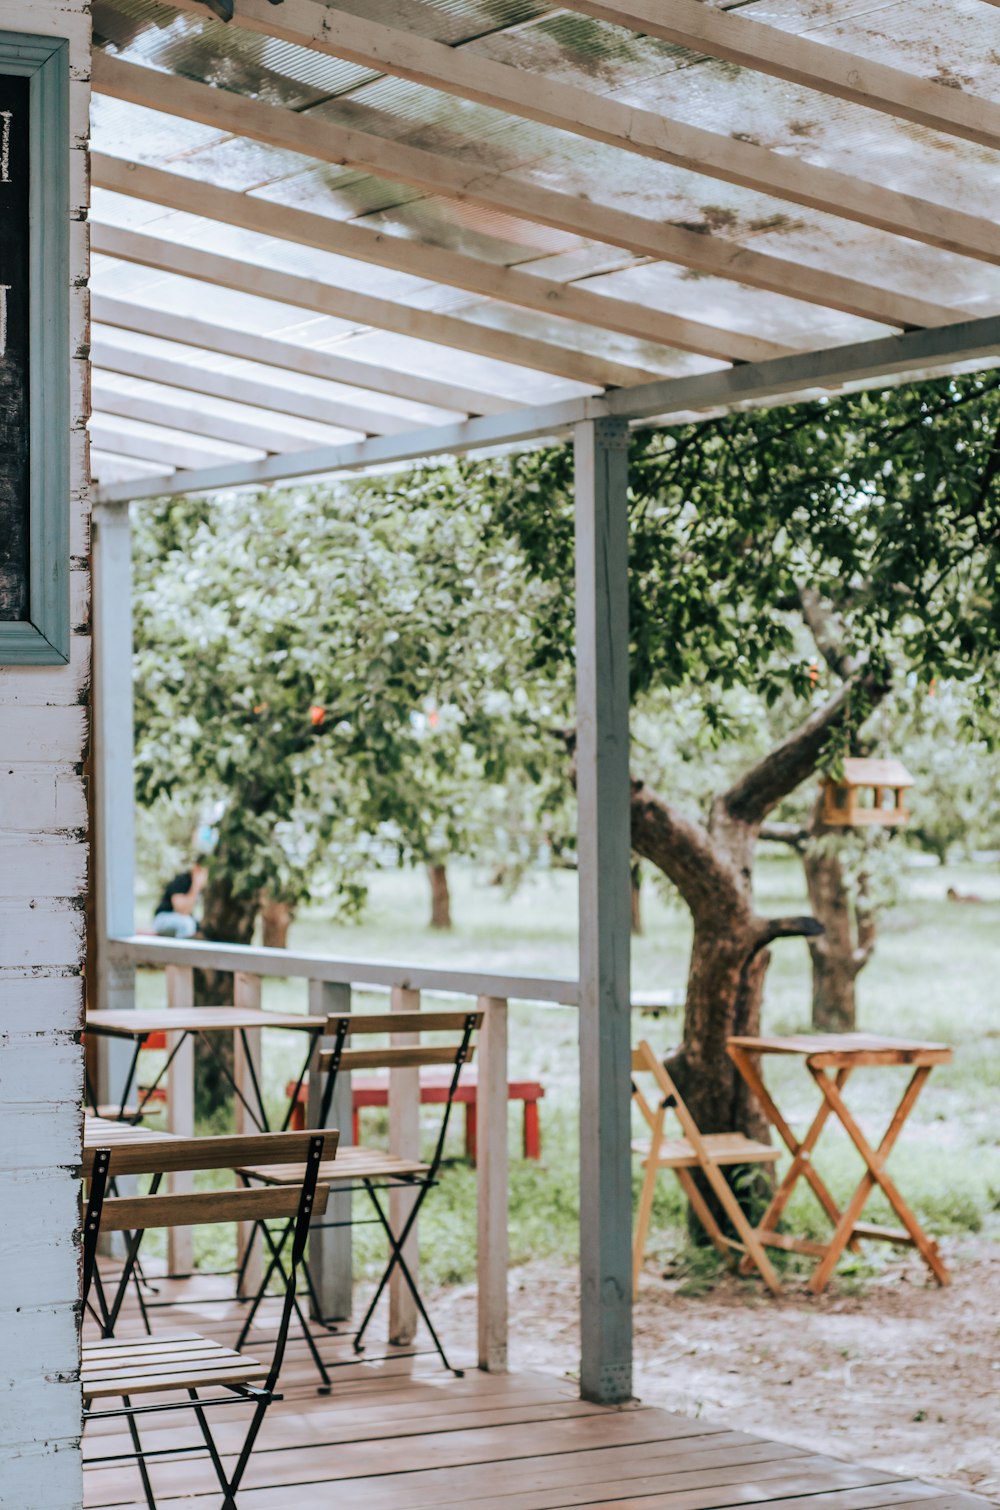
[(875, 1160), (801, 1151)]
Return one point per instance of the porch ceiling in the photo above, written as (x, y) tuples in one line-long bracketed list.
[(324, 226)]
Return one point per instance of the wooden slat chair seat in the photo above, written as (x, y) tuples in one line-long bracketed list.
[(373, 1169), (722, 1148), (351, 1164), (135, 1366), (655, 1094), (187, 1363)]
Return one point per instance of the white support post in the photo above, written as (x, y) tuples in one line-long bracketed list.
[(180, 1111), (491, 1174), (114, 793), (404, 1139), (603, 847), (246, 994), (330, 1250)]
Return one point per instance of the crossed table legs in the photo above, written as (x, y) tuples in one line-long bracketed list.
[(830, 1061)]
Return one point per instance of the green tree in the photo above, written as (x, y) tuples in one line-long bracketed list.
[(804, 555), (955, 802), (335, 670)]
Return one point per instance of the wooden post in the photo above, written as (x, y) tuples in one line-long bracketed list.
[(491, 1176), (180, 1111), (246, 994), (330, 1250), (404, 1139), (603, 847), (114, 793)]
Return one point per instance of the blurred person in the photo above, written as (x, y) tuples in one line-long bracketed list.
[(174, 917)]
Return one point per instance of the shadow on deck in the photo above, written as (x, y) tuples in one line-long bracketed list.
[(404, 1435)]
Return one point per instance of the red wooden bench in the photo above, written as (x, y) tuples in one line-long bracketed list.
[(373, 1090)]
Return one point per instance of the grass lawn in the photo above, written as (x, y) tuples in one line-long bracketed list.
[(935, 974)]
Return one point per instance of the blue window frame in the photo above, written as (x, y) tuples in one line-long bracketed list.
[(42, 638)]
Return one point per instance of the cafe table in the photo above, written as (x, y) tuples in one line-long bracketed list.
[(182, 1024), (831, 1058)]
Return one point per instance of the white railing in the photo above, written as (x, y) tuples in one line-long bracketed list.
[(329, 990)]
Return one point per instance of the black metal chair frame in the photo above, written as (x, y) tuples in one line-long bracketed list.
[(422, 1183), (259, 1396)]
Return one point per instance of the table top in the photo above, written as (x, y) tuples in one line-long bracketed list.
[(135, 1022), (105, 1132), (855, 1049)]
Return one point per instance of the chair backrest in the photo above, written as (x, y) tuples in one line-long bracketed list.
[(345, 1027), (137, 1214), (662, 1096)]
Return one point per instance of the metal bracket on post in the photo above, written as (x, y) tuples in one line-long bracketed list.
[(604, 849)]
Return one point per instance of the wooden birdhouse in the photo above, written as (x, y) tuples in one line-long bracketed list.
[(870, 791)]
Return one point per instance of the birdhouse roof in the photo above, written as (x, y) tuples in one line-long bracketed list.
[(860, 771)]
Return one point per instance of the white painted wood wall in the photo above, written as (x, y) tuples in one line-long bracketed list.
[(43, 871)]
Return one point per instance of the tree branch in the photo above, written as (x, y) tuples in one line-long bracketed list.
[(779, 772), (785, 833), (827, 629), (681, 848)]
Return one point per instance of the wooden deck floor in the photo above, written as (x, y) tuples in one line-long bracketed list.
[(404, 1435)]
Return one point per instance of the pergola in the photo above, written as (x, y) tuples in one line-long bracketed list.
[(335, 236)]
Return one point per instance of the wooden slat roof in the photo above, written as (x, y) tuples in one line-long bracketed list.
[(438, 211)]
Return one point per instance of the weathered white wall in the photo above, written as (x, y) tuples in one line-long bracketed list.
[(43, 864)]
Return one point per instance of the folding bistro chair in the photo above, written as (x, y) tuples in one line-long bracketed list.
[(707, 1152), (189, 1364), (373, 1170)]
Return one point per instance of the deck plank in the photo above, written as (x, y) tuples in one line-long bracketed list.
[(405, 1435)]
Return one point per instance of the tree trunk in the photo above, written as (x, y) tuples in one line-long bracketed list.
[(440, 896), (833, 968), (712, 867), (847, 943), (725, 989), (226, 919), (275, 919), (636, 899)]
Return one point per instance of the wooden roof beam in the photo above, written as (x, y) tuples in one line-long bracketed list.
[(437, 264), (250, 429), (738, 38), (582, 113), (361, 309), (271, 351), (277, 398), (469, 182), (171, 448), (785, 379)]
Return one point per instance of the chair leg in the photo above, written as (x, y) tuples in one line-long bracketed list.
[(396, 1251), (228, 1486), (140, 1460), (703, 1211), (276, 1265), (642, 1223), (748, 1236), (276, 1251), (229, 1503), (241, 1272)]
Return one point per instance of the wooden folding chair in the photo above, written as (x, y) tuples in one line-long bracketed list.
[(190, 1364), (372, 1169), (708, 1152)]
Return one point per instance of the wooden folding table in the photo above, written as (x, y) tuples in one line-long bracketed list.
[(138, 1024), (830, 1059)]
